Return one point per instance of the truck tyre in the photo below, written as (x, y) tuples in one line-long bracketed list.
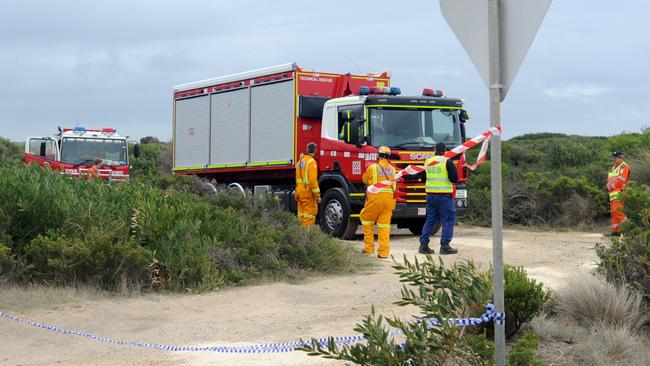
[(334, 215), (416, 226)]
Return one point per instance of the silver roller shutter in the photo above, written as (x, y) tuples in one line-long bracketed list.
[(192, 132), (272, 122), (230, 125)]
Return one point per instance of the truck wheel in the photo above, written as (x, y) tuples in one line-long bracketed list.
[(416, 226), (334, 215)]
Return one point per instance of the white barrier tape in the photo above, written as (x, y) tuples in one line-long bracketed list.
[(415, 169), (255, 348)]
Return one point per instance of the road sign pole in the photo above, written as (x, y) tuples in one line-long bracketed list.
[(495, 172)]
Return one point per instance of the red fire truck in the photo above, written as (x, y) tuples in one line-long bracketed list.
[(248, 129), (73, 151)]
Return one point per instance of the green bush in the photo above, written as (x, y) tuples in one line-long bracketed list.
[(522, 352), (524, 298)]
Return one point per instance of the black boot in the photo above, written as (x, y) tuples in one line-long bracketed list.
[(447, 249), (424, 249)]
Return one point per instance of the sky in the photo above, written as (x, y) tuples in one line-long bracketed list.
[(113, 63)]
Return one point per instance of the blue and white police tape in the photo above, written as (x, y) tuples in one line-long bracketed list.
[(284, 347)]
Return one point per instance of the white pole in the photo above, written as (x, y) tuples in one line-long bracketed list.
[(495, 157)]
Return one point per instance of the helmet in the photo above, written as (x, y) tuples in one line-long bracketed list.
[(384, 150)]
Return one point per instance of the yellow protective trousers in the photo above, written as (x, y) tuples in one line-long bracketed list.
[(307, 206), (377, 209)]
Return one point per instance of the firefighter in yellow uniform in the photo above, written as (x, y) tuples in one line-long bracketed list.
[(379, 206), (307, 192)]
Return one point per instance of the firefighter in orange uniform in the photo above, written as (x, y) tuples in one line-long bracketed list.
[(617, 181), (379, 206), (93, 172), (307, 192)]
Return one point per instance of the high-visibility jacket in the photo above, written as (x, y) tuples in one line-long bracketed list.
[(93, 172), (437, 176), (379, 172), (307, 176), (617, 180)]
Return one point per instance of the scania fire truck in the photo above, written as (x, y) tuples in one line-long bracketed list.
[(73, 151), (247, 130)]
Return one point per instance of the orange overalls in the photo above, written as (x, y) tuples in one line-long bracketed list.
[(617, 181), (378, 208), (307, 191)]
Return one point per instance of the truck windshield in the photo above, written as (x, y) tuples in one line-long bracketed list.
[(413, 128), (80, 150)]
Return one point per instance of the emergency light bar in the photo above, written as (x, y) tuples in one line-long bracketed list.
[(79, 129), (432, 93), (108, 130), (365, 90)]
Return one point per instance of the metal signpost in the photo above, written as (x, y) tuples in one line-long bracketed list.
[(496, 35)]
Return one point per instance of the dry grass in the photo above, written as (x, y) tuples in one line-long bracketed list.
[(591, 301), (18, 298), (594, 323), (610, 345)]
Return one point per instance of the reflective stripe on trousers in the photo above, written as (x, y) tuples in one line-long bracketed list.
[(377, 209)]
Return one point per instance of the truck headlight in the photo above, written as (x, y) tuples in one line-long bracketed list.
[(461, 194)]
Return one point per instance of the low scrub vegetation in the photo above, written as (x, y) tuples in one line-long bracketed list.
[(556, 180), (61, 231)]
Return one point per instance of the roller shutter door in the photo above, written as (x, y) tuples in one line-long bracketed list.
[(192, 132), (272, 122), (230, 128)]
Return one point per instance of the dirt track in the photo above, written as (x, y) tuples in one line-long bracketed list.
[(266, 313)]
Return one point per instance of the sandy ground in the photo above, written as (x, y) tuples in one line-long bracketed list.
[(266, 313)]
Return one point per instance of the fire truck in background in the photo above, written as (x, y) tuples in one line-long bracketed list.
[(73, 151), (247, 130)]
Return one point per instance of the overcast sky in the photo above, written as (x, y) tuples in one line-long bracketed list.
[(113, 63)]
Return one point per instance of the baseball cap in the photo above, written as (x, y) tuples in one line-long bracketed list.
[(617, 154)]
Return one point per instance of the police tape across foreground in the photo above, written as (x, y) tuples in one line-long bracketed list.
[(283, 347)]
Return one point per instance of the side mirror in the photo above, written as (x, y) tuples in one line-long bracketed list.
[(355, 137), (42, 150), (463, 116), (136, 150)]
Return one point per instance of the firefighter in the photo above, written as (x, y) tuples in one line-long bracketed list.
[(93, 172), (379, 206), (440, 202), (307, 192), (617, 180)]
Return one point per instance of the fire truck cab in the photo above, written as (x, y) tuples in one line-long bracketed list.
[(73, 151)]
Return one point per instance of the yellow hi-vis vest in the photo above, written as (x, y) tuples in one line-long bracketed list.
[(612, 177), (437, 176)]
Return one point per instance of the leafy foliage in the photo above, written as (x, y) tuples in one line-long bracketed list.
[(439, 293)]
